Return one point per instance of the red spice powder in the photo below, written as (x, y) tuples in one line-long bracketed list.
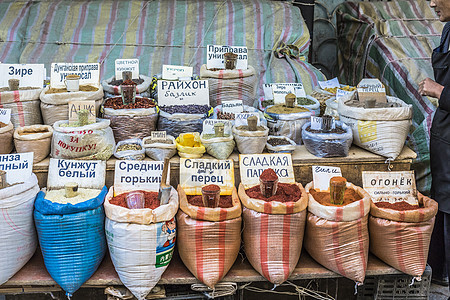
[(268, 175), (211, 188), (128, 82), (324, 198), (225, 201), (402, 205), (151, 200), (285, 193)]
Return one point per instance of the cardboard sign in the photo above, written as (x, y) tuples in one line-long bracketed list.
[(241, 119), (183, 92), (131, 65), (280, 90), (5, 115), (322, 176), (341, 94), (208, 126), (76, 106), (89, 73), (391, 186), (232, 106), (170, 72), (316, 123), (158, 136), (252, 165), (31, 75), (215, 59), (371, 88), (87, 173), (131, 175), (18, 166), (332, 83), (196, 173)]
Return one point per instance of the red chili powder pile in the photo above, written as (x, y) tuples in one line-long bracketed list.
[(151, 200), (211, 188), (402, 205), (225, 201), (324, 198), (269, 175), (285, 193)]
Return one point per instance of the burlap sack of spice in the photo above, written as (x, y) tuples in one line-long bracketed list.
[(6, 139), (230, 84), (113, 90), (24, 105), (55, 107), (149, 232), (337, 237), (250, 142), (34, 138), (402, 238), (208, 238), (273, 234)]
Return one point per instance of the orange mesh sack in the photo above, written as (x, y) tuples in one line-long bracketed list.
[(273, 234), (208, 238), (402, 238), (337, 237)]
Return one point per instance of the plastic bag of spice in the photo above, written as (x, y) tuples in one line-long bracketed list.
[(72, 238), (218, 147), (401, 238), (250, 142), (18, 239), (159, 150), (130, 149), (218, 114), (335, 143), (55, 104), (24, 105), (189, 145), (149, 232), (337, 237), (177, 119), (136, 120), (111, 86), (280, 144), (6, 138), (273, 231), (208, 238), (34, 138), (89, 142)]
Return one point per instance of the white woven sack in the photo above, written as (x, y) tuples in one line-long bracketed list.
[(136, 239), (141, 89), (24, 105), (250, 142), (18, 238), (349, 212), (382, 131)]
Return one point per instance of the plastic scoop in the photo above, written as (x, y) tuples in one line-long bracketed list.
[(164, 189)]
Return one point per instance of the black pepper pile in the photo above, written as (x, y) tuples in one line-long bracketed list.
[(185, 109), (278, 142)]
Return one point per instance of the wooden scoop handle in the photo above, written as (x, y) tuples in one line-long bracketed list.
[(164, 173)]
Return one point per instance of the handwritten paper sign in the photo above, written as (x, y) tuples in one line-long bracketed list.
[(241, 119), (280, 90), (131, 175), (131, 65), (391, 186), (5, 115), (31, 75), (232, 106), (371, 88), (252, 165), (170, 72), (215, 59), (196, 173), (183, 92), (76, 106), (332, 83), (341, 94), (18, 166), (322, 176), (158, 135), (316, 123), (89, 73), (208, 126), (87, 173)]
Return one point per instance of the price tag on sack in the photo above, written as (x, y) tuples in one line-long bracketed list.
[(89, 73), (252, 165), (183, 92), (215, 59), (322, 176), (241, 119), (130, 65), (330, 84), (76, 106), (196, 173), (158, 135), (5, 115), (18, 166), (208, 126), (131, 175), (371, 88), (170, 72), (29, 75), (391, 187), (232, 106)]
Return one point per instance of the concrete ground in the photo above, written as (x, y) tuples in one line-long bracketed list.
[(439, 292)]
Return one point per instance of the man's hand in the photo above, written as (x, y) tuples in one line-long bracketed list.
[(429, 87)]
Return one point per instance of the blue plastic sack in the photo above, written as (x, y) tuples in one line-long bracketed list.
[(72, 239)]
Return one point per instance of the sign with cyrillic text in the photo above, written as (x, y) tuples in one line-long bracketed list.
[(89, 73), (232, 106), (208, 126), (371, 88), (280, 90), (76, 106), (29, 75), (131, 175), (391, 187), (18, 166), (196, 173), (183, 92), (215, 59), (170, 72), (341, 94), (252, 165), (131, 65), (5, 115), (322, 176), (316, 123), (332, 83), (158, 136), (88, 174), (241, 119)]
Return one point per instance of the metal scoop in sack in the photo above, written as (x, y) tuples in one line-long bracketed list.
[(164, 188)]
